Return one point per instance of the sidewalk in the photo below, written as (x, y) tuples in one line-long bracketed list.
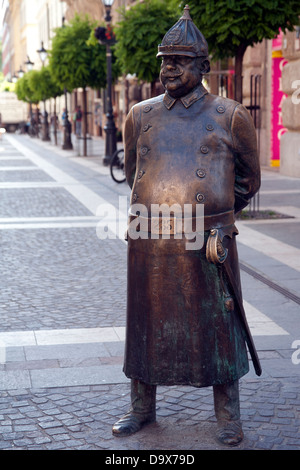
[(63, 301)]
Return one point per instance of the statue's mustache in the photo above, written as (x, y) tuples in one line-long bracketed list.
[(170, 75)]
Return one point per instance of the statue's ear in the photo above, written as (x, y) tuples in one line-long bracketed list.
[(205, 66)]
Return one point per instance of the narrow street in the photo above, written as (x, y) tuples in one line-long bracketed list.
[(63, 307)]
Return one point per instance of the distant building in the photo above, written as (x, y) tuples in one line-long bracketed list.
[(26, 23)]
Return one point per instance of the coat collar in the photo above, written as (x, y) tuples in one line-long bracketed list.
[(186, 100)]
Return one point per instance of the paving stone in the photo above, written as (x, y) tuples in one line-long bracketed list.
[(75, 266), (15, 162), (37, 202), (22, 176)]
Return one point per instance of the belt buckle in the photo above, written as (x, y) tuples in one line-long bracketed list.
[(163, 225)]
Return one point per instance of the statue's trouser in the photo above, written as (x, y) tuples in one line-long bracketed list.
[(142, 411), (227, 411), (143, 405)]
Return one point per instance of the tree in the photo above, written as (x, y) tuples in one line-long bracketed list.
[(5, 85), (36, 86), (42, 82), (24, 91), (138, 34), (76, 63), (27, 94), (230, 26)]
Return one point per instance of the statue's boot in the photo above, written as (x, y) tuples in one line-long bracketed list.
[(227, 410), (142, 411)]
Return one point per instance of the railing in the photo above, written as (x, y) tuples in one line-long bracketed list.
[(255, 111)]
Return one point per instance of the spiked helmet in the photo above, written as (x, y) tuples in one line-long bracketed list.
[(184, 38)]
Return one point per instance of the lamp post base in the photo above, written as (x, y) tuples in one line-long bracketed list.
[(110, 142), (67, 144), (45, 126)]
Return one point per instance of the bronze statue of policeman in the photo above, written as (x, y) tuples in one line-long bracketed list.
[(185, 319)]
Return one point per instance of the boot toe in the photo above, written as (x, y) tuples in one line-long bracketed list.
[(129, 424), (230, 432)]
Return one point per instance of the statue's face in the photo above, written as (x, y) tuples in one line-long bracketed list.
[(179, 74)]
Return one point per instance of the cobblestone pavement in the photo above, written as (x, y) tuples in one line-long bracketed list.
[(62, 307), (80, 418)]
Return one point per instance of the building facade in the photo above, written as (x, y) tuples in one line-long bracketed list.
[(26, 24)]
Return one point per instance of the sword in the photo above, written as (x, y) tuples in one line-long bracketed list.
[(217, 255)]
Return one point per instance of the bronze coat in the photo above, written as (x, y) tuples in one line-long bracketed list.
[(198, 149)]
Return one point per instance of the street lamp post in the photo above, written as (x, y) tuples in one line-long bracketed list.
[(110, 128), (67, 143), (42, 53), (21, 72), (29, 66), (43, 56)]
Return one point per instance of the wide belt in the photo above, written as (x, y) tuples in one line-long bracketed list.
[(174, 225)]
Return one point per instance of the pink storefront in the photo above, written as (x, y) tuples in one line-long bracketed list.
[(277, 98)]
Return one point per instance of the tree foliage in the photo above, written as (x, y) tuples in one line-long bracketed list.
[(93, 41), (5, 85), (36, 86), (75, 62), (232, 24), (24, 91), (138, 34), (42, 83)]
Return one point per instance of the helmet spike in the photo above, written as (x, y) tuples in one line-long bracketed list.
[(186, 13)]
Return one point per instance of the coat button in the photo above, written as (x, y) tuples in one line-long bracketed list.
[(146, 127), (221, 109), (147, 108), (209, 127), (140, 174), (134, 197), (200, 197), (204, 149), (200, 173), (144, 151)]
